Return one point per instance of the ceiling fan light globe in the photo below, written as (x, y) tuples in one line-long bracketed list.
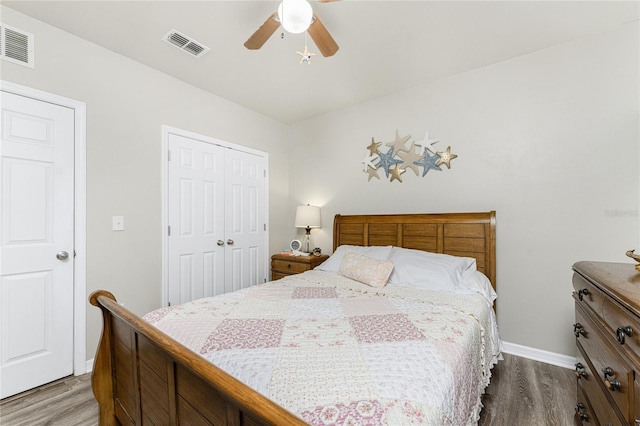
[(295, 15)]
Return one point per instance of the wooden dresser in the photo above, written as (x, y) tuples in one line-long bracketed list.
[(607, 330), (283, 264)]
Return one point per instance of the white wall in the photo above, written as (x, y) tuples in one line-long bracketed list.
[(549, 140), (127, 103)]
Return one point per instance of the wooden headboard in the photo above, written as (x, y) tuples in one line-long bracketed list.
[(458, 234)]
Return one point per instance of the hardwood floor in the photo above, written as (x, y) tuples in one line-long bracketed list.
[(522, 392), (526, 392)]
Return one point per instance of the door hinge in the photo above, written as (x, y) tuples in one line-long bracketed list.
[(169, 303), (74, 253), (168, 155), (265, 226), (169, 230)]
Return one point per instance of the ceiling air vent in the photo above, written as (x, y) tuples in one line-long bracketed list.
[(185, 43), (16, 46)]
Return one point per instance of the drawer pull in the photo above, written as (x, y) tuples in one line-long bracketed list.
[(580, 412), (578, 329), (621, 332), (582, 293), (288, 266), (637, 421), (612, 385), (580, 373)]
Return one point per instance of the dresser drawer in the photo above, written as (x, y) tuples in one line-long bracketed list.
[(275, 275), (583, 409), (587, 294), (635, 416), (624, 328), (598, 403), (287, 267), (603, 359)]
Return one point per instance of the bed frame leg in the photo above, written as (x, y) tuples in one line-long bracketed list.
[(102, 377)]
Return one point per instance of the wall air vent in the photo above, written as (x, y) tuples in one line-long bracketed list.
[(185, 43), (16, 46)]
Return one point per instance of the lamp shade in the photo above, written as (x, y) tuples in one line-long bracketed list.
[(295, 15), (308, 217)]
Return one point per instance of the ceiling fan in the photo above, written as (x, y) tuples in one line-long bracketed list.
[(316, 29)]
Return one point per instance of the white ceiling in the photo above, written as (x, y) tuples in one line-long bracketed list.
[(385, 46)]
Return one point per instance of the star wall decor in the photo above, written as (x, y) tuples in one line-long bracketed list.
[(409, 159), (426, 144), (428, 162), (399, 143), (373, 148), (445, 157), (387, 161), (396, 172), (398, 158), (370, 161), (373, 173)]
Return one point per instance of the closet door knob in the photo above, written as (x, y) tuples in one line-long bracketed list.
[(230, 242), (62, 255), (220, 243)]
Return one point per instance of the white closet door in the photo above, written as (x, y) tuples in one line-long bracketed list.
[(196, 219), (37, 225), (244, 220)]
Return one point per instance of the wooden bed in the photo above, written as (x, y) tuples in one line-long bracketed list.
[(143, 376)]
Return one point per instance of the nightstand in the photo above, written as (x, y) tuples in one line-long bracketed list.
[(283, 264)]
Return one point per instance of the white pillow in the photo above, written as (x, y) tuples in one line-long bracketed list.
[(431, 271), (367, 270), (478, 282), (332, 264)]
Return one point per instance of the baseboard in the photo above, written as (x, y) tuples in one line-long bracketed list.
[(89, 365), (540, 355)]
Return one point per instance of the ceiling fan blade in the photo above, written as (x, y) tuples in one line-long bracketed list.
[(321, 37), (263, 33)]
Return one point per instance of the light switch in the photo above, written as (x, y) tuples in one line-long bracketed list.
[(118, 223)]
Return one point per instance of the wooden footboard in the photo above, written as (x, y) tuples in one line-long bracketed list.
[(143, 376)]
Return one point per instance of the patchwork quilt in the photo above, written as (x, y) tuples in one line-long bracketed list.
[(337, 352)]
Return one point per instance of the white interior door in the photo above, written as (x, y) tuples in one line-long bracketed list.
[(196, 200), (216, 212), (244, 220), (36, 237)]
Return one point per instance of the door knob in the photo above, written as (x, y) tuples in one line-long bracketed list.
[(220, 243), (62, 255), (230, 242)]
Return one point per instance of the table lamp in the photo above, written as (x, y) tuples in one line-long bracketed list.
[(308, 217)]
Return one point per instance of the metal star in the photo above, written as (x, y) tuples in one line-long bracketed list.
[(428, 162), (373, 173), (410, 158), (396, 172), (373, 148), (369, 161), (398, 144), (387, 161), (427, 144), (305, 56), (445, 157)]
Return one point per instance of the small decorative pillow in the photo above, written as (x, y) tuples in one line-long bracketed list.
[(369, 271)]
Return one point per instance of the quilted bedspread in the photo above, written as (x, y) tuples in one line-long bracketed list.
[(337, 352)]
